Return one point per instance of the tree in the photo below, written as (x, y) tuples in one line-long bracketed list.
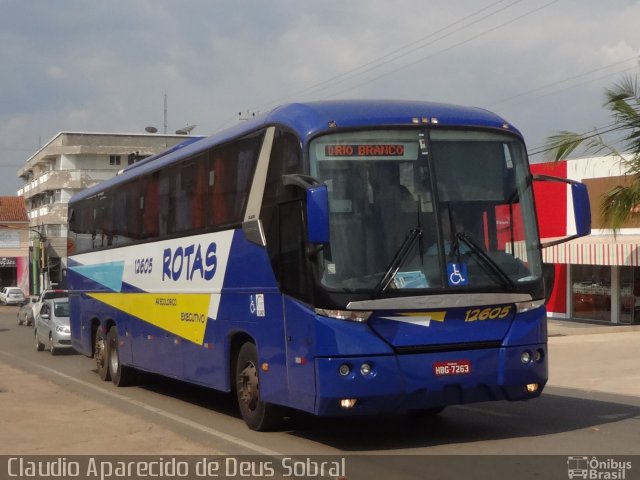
[(623, 101)]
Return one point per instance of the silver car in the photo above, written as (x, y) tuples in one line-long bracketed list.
[(52, 325)]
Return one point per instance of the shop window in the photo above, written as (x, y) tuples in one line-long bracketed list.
[(591, 292), (629, 295)]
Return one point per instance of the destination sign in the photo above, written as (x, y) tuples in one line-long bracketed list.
[(365, 150)]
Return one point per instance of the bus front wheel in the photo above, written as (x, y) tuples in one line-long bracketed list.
[(257, 414)]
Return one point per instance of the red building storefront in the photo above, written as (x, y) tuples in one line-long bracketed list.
[(597, 278)]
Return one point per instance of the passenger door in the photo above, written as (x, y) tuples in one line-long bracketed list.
[(43, 323)]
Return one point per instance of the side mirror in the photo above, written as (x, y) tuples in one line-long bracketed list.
[(317, 206), (44, 316), (581, 208), (318, 214)]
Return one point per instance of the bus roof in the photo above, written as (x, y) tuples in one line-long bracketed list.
[(312, 118)]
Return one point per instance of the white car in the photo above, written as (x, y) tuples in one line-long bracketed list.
[(12, 296), (52, 325)]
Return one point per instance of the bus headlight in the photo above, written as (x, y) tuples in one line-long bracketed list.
[(350, 315), (522, 307), (348, 402)]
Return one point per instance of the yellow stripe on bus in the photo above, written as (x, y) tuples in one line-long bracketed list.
[(435, 316), (184, 315)]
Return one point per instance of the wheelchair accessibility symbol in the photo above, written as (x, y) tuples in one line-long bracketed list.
[(256, 305), (457, 274)]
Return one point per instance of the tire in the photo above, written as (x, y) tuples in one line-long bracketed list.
[(121, 375), (20, 322), (100, 355), (52, 349), (257, 414), (39, 344)]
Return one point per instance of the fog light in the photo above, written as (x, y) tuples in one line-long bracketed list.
[(538, 356), (531, 387), (344, 369), (525, 357), (365, 369), (348, 402)]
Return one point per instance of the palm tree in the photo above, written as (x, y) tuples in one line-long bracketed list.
[(623, 101)]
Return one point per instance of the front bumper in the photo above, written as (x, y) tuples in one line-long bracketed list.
[(61, 340), (400, 383)]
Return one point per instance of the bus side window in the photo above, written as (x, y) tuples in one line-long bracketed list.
[(218, 208), (102, 215), (293, 261), (285, 159), (231, 171), (150, 206), (128, 229), (164, 203), (199, 195), (184, 183)]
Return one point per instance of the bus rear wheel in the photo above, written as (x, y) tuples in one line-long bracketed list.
[(257, 414), (100, 355), (121, 375)]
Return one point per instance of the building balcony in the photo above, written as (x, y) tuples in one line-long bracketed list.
[(52, 214), (65, 179)]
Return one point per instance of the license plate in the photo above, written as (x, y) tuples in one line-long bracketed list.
[(455, 367)]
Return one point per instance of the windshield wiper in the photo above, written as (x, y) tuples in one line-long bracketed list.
[(486, 259), (399, 258)]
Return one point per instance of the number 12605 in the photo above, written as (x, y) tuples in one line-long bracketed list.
[(490, 313)]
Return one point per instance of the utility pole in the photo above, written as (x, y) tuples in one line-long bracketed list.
[(165, 113)]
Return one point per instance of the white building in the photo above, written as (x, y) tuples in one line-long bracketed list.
[(67, 164)]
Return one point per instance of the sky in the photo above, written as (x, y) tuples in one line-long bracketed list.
[(106, 66)]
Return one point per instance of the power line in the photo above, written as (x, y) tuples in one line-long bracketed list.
[(558, 82), (393, 55), (597, 132), (420, 60)]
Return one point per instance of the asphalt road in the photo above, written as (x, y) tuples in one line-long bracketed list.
[(577, 415)]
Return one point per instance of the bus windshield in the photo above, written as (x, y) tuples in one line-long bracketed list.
[(426, 209)]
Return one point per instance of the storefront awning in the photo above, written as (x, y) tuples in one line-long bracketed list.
[(596, 250)]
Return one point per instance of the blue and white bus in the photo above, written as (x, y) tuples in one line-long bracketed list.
[(338, 258)]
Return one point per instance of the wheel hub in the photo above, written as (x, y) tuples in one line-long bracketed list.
[(248, 386), (99, 353)]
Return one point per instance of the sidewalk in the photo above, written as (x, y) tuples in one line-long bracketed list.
[(560, 328)]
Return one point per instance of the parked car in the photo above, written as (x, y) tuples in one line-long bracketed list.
[(47, 295), (52, 325), (12, 296), (25, 314)]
